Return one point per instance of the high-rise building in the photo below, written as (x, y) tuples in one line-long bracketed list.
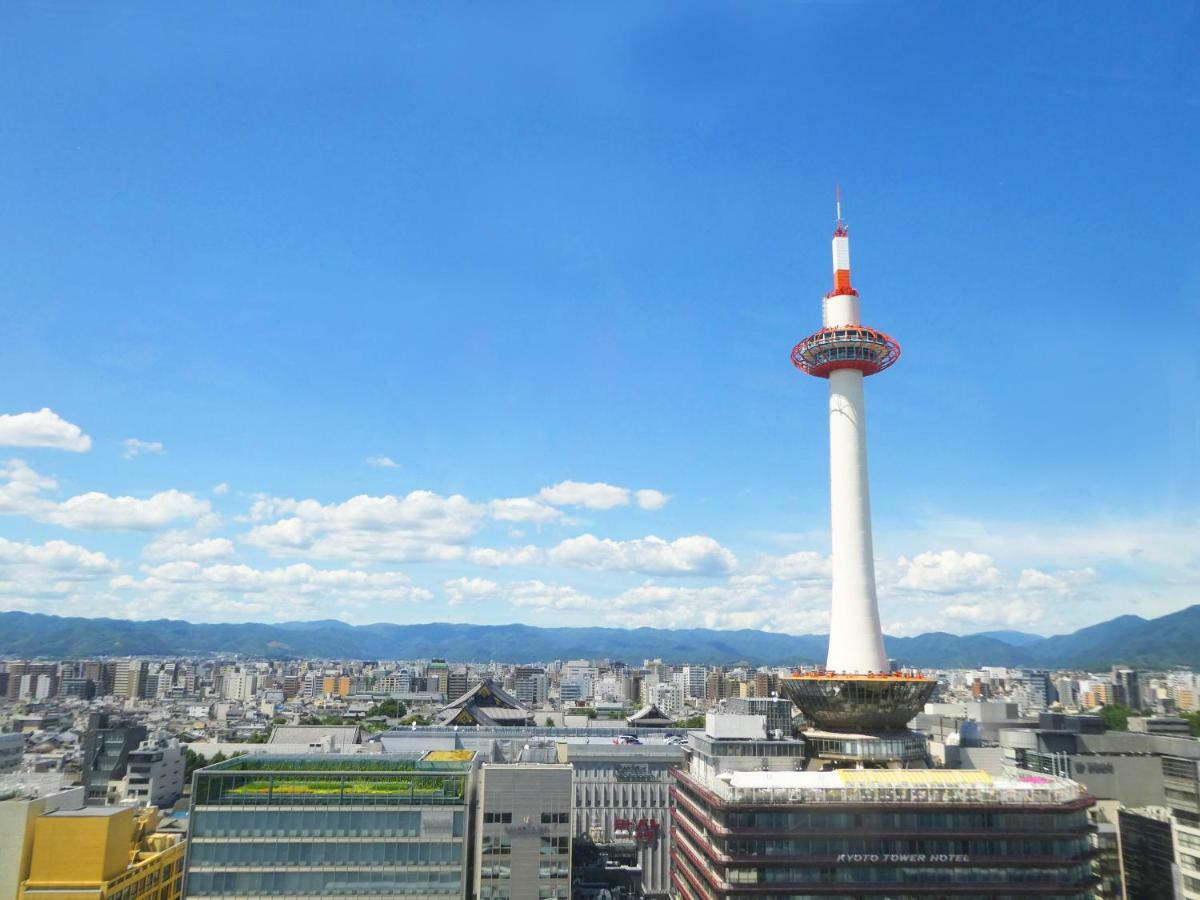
[(1147, 853), (745, 830), (128, 679), (1127, 688), (692, 680), (331, 825), (530, 686), (523, 832), (106, 745), (437, 676)]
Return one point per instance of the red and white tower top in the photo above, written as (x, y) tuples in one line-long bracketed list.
[(844, 343), (841, 254)]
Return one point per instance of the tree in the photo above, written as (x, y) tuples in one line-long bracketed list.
[(191, 762), (390, 708), (549, 721), (279, 720), (259, 737), (1116, 716), (692, 722), (415, 719), (1193, 720)]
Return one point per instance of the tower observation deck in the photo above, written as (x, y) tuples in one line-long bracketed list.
[(856, 690)]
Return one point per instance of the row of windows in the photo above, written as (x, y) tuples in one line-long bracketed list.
[(1187, 840), (552, 845), (916, 874), (556, 818), (303, 853), (826, 819), (332, 822), (323, 883), (825, 847), (642, 795), (496, 846), (491, 818)]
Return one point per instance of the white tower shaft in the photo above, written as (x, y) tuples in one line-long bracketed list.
[(855, 636)]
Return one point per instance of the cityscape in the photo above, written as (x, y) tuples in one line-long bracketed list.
[(409, 488)]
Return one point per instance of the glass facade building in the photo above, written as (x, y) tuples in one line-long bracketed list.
[(328, 825)]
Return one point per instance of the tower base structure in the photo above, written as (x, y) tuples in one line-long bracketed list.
[(861, 721)]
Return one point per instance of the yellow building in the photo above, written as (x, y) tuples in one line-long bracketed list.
[(336, 686), (109, 852)]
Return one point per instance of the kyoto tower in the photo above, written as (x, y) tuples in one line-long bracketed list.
[(856, 690)]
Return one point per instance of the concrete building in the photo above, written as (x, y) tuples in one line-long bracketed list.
[(12, 749), (522, 843), (1187, 858), (114, 852), (22, 800), (154, 773), (622, 793), (776, 711), (329, 825), (128, 679), (531, 686), (895, 832)]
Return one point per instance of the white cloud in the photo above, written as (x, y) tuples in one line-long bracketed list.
[(949, 572), (524, 509), (221, 489), (34, 576), (102, 512), (543, 595), (1014, 613), (692, 555), (1059, 582), (134, 447), (21, 493), (182, 545), (468, 590), (43, 428), (803, 565), (21, 488), (383, 462), (594, 495), (528, 555), (648, 498), (419, 526), (208, 592)]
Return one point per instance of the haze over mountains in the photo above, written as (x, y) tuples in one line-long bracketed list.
[(1170, 640)]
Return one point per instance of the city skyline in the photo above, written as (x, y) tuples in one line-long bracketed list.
[(498, 331)]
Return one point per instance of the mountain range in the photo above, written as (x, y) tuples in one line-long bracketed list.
[(1170, 640)]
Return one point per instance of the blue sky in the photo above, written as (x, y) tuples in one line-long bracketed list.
[(515, 247)]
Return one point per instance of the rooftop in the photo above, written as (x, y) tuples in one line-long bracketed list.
[(342, 762), (891, 786)]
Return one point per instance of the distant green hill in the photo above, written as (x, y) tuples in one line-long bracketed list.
[(1167, 641)]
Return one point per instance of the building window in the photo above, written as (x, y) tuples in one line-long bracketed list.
[(555, 818)]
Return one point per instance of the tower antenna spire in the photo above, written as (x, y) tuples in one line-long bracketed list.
[(837, 193)]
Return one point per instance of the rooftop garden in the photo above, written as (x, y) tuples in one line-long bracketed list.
[(290, 785)]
